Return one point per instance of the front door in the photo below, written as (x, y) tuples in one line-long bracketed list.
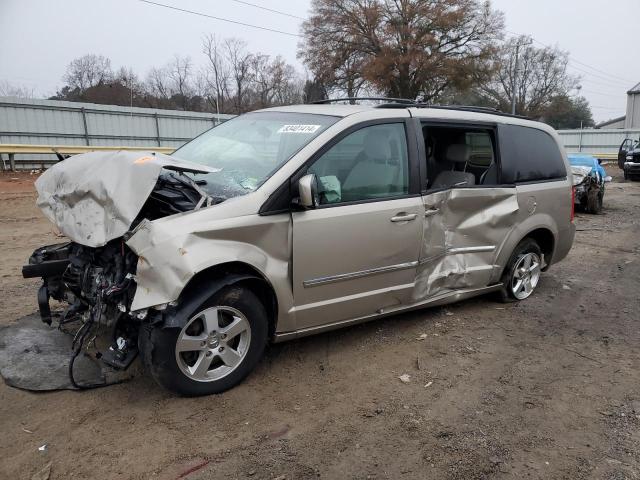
[(625, 147), (356, 254)]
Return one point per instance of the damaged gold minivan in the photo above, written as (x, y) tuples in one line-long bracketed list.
[(295, 220)]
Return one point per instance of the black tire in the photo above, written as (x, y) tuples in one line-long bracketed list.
[(527, 245), (158, 346), (594, 201)]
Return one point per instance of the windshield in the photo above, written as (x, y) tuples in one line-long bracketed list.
[(248, 149)]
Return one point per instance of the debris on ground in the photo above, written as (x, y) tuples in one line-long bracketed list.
[(43, 448), (428, 384), (405, 378), (422, 336), (43, 474)]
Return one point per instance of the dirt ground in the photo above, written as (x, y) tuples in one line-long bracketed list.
[(547, 388)]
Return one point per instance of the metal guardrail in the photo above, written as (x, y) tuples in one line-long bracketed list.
[(16, 148), (13, 149), (601, 156)]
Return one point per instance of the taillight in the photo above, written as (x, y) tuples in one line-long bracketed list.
[(573, 203)]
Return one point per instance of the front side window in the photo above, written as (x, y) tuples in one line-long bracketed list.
[(250, 148), (368, 164)]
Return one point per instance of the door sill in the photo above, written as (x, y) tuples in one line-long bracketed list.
[(443, 299)]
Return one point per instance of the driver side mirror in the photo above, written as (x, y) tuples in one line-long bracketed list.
[(308, 191)]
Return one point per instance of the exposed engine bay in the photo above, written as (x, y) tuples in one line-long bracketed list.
[(96, 284)]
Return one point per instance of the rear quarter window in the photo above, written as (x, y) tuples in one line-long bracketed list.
[(529, 155)]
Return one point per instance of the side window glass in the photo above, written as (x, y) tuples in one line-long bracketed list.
[(480, 149), (459, 157), (529, 155), (368, 164)]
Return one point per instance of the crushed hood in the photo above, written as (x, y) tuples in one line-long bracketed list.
[(95, 197)]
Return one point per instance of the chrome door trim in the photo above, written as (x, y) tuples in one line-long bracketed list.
[(478, 249), (457, 251), (314, 282)]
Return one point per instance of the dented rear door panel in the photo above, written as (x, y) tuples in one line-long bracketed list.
[(464, 230)]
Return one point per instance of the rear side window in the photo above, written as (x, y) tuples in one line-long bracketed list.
[(529, 155)]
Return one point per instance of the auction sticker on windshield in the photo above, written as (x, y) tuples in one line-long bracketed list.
[(299, 128)]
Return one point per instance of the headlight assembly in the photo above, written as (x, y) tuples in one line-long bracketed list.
[(578, 179)]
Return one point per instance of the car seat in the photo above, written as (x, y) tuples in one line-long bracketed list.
[(456, 154)]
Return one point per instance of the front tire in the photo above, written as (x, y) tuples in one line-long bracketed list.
[(522, 273), (594, 201), (220, 344)]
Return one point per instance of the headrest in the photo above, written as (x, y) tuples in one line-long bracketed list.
[(376, 146), (458, 153)]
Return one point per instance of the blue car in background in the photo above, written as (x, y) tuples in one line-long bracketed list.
[(589, 179)]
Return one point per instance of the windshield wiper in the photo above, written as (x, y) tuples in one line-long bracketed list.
[(205, 199)]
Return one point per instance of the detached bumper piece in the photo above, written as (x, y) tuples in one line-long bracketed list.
[(48, 262)]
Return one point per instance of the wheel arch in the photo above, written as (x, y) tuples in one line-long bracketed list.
[(209, 281), (544, 236), (546, 240)]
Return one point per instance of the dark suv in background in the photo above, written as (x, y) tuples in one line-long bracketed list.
[(629, 158)]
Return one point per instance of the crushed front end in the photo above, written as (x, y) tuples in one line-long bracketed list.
[(589, 186), (97, 200), (97, 286)]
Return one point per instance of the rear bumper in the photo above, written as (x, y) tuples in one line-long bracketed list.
[(564, 242)]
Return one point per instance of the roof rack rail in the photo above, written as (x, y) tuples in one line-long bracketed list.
[(463, 108), (406, 102), (402, 101), (470, 108)]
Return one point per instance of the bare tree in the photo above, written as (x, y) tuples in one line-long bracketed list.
[(9, 90), (405, 48), (88, 71), (532, 76), (217, 73), (157, 83), (180, 75), (240, 70), (263, 83)]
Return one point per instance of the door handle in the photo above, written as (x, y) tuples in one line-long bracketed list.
[(431, 212), (404, 217)]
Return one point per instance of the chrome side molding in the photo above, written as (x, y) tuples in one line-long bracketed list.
[(362, 273)]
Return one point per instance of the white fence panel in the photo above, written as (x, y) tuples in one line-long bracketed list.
[(52, 122), (593, 141)]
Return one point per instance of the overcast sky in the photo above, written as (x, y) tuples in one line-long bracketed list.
[(40, 37)]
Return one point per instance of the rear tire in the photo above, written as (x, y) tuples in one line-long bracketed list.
[(522, 273), (216, 349)]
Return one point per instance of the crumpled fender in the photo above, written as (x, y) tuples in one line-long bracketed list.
[(172, 250)]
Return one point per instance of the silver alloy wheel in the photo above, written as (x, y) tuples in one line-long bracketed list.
[(526, 275), (213, 343)]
